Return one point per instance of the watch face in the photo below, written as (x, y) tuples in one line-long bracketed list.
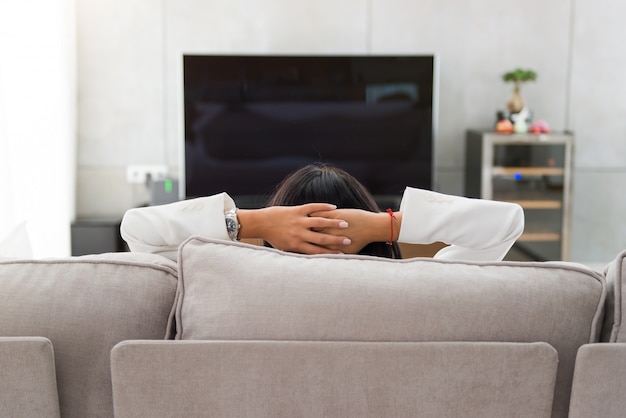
[(231, 228)]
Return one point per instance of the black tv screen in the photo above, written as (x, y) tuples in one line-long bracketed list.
[(251, 120)]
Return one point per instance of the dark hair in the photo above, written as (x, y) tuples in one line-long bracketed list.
[(327, 184)]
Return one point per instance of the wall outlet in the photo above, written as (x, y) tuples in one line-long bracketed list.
[(139, 174)]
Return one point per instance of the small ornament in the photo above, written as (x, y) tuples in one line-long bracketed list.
[(521, 121), (504, 126), (540, 127)]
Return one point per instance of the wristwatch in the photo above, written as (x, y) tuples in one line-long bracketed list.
[(232, 223)]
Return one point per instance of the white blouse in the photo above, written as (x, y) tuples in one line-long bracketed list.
[(475, 229)]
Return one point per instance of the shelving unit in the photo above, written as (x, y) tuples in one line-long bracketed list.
[(533, 171)]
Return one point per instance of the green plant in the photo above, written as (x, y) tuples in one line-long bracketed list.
[(518, 76)]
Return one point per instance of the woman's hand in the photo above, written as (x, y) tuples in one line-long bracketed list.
[(296, 228), (363, 228)]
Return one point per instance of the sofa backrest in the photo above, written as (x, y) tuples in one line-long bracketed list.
[(235, 291), (85, 306)]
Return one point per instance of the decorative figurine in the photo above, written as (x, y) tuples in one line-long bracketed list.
[(540, 127), (504, 126), (521, 121)]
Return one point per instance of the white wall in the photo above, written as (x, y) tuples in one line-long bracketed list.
[(38, 121), (597, 109), (129, 81)]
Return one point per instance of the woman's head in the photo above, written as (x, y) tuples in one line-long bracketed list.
[(327, 184)]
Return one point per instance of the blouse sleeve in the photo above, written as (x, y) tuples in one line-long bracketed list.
[(161, 229), (475, 229)]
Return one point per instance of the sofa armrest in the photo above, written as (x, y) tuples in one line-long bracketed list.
[(347, 379), (28, 386), (599, 381)]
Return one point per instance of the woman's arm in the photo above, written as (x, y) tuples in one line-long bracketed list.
[(475, 229), (294, 228), (161, 229)]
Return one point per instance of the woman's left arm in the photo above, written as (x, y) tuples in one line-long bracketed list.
[(475, 229)]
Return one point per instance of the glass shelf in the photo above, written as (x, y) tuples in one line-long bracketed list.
[(535, 204), (527, 171), (539, 236), (532, 171)]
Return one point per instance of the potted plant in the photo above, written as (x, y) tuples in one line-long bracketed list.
[(518, 76)]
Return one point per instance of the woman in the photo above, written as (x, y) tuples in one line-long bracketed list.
[(347, 221)]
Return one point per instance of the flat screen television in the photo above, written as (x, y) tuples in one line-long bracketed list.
[(249, 120)]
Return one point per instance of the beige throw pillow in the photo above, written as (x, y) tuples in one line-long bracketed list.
[(240, 291)]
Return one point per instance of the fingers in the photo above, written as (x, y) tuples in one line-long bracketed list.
[(320, 217), (314, 243), (311, 242), (301, 231), (321, 224), (330, 214), (314, 249), (310, 208), (323, 239)]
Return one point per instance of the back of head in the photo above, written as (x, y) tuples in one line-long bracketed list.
[(322, 183)]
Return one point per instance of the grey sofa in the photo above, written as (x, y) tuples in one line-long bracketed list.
[(239, 330)]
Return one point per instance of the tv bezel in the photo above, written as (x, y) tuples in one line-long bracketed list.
[(386, 200)]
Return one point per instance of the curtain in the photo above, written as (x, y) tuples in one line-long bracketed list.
[(37, 125)]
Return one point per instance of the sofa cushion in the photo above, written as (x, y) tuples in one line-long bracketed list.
[(332, 379), (238, 291), (28, 386), (598, 383), (86, 305)]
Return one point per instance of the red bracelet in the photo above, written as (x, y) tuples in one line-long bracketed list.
[(391, 218)]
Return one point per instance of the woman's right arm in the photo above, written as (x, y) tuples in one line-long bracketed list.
[(161, 229)]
